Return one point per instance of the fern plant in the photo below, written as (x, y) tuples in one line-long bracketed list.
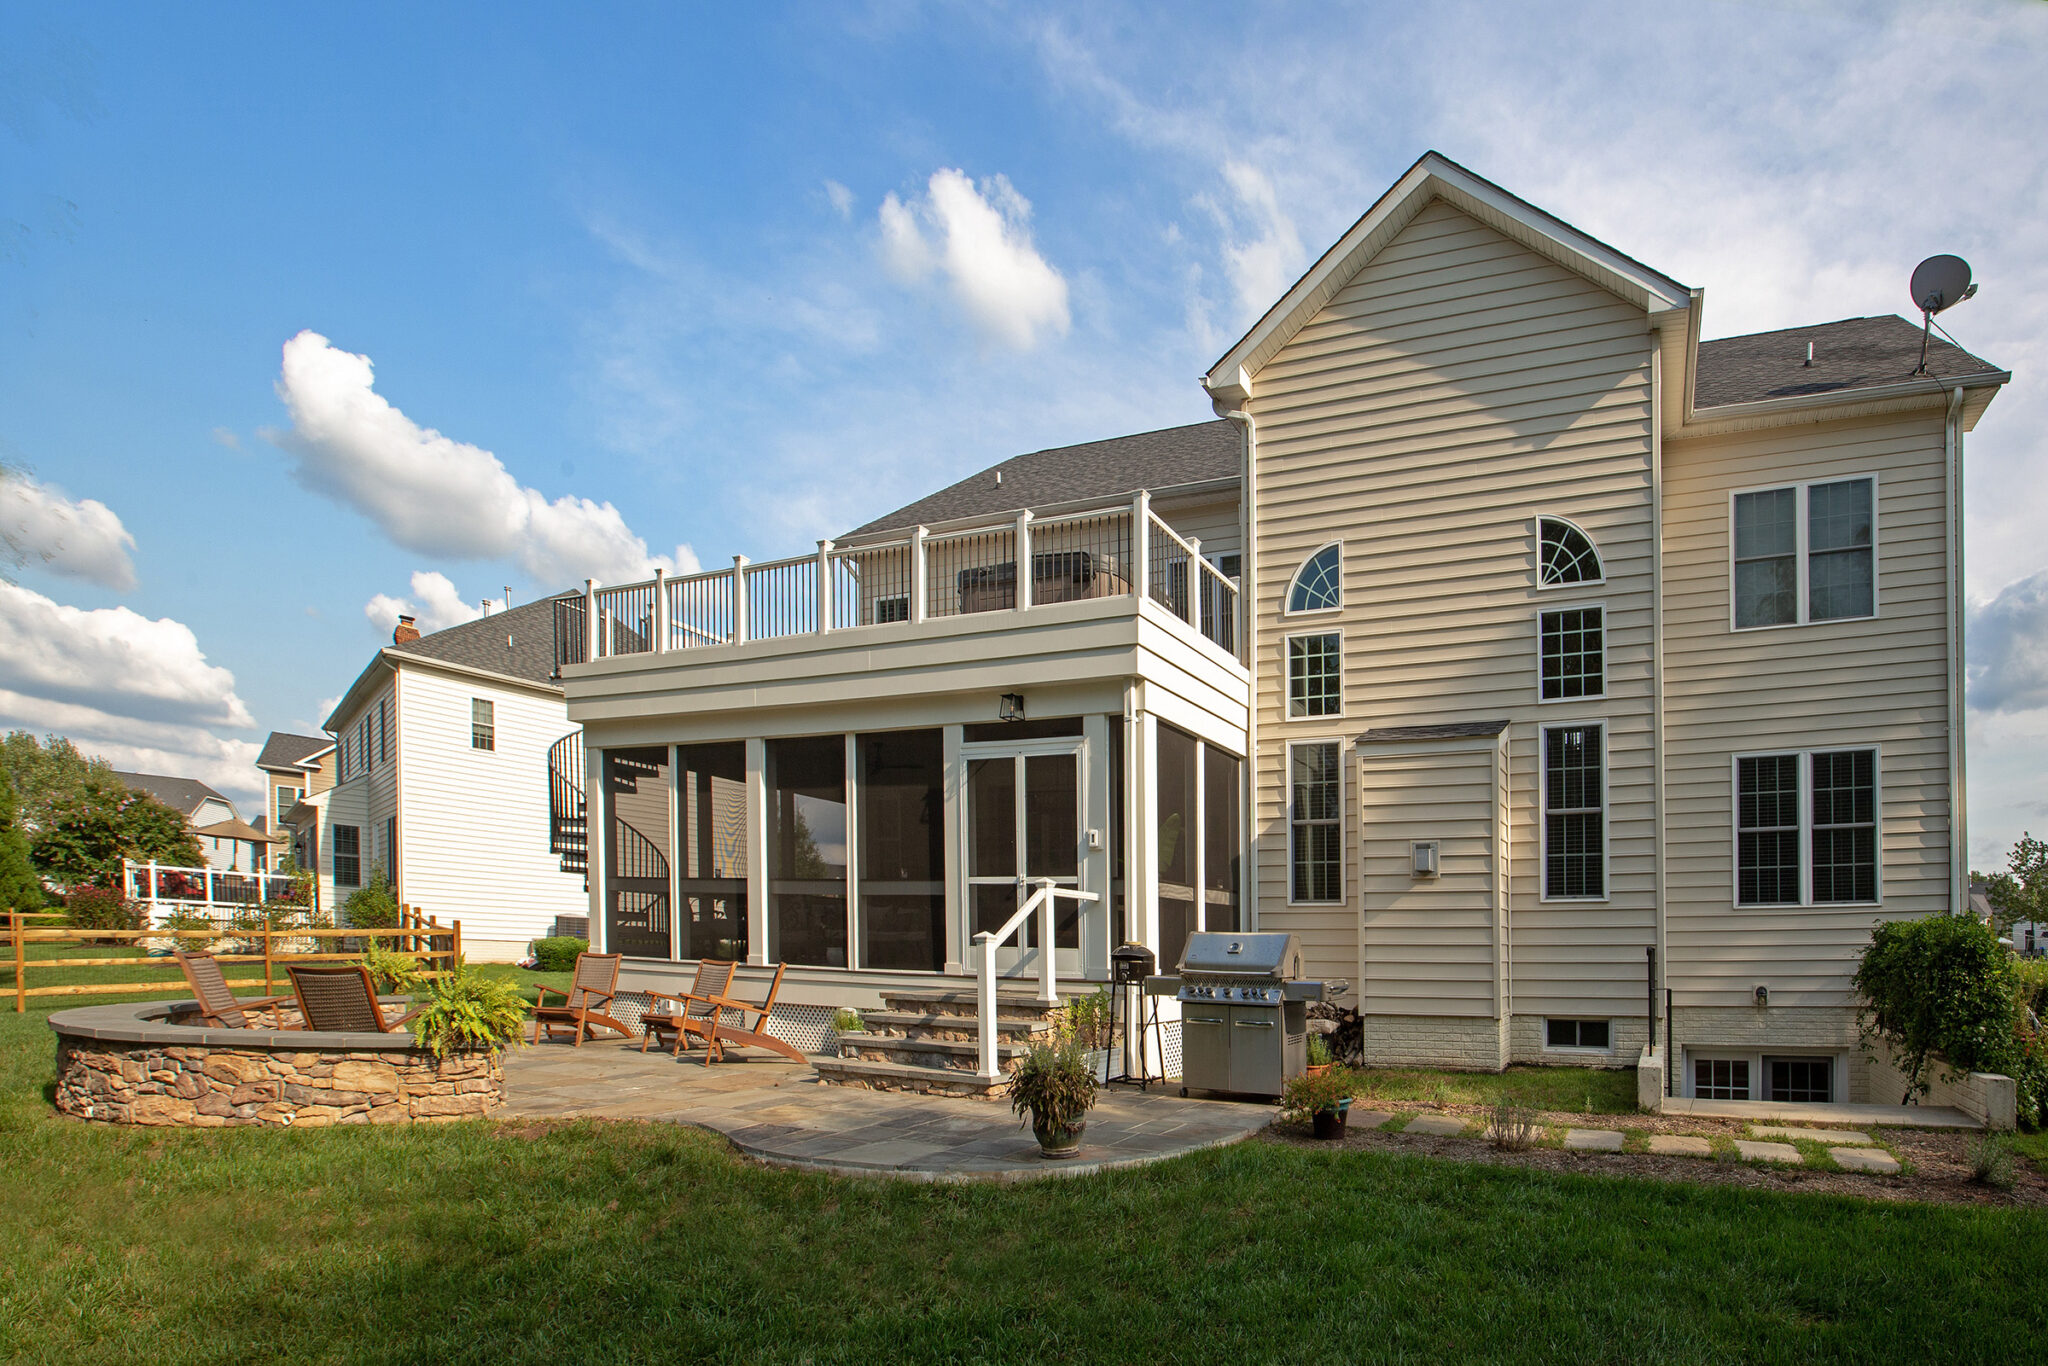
[(465, 1010), (392, 970)]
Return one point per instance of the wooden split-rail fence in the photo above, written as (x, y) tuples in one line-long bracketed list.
[(417, 936)]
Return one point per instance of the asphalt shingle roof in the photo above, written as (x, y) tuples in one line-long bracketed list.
[(1854, 353), (182, 795), (480, 644), (1096, 469), (1447, 730), (283, 750)]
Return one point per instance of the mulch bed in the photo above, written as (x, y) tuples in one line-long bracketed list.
[(1938, 1170)]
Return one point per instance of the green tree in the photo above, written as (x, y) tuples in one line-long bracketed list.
[(81, 820), (20, 888), (2021, 892)]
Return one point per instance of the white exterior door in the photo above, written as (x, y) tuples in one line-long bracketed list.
[(1027, 819)]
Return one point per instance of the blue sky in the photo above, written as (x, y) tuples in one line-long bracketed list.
[(753, 274)]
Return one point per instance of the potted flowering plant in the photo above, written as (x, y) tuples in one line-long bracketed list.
[(1323, 1100), (1055, 1086)]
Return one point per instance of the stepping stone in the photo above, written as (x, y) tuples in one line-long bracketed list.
[(1444, 1126), (1367, 1119), (1593, 1140), (1680, 1145), (1788, 1133), (1865, 1160), (1767, 1152)]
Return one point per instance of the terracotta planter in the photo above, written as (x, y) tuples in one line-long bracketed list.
[(1315, 1071), (1058, 1143)]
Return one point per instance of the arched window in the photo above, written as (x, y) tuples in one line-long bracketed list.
[(1319, 584), (1565, 554)]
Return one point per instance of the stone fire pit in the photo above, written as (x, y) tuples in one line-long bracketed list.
[(141, 1064)]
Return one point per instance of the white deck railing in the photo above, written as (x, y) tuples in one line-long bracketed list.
[(1115, 551), (1040, 903), (159, 884)]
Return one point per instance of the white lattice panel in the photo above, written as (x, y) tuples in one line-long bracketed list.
[(807, 1029)]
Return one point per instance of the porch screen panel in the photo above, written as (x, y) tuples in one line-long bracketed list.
[(711, 785), (992, 841), (902, 912), (636, 856), (1220, 841), (807, 851), (1175, 842), (1052, 837)]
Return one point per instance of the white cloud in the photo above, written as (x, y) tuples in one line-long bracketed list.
[(1261, 267), (439, 605), (141, 692), (82, 539), (433, 494), (983, 247), (226, 436), (841, 197), (2008, 643)]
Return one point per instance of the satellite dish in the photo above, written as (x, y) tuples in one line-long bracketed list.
[(1938, 282), (1941, 282)]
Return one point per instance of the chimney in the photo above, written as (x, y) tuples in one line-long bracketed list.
[(406, 632)]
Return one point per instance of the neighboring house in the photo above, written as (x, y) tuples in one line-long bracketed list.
[(1529, 658), (441, 781), (225, 839), (296, 770)]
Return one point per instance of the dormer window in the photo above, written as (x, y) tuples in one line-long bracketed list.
[(1319, 584), (1565, 555)]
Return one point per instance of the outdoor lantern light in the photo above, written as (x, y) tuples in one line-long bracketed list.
[(1763, 996), (1011, 707)]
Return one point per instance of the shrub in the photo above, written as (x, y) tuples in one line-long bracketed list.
[(1991, 1161), (1511, 1127), (372, 906), (1319, 1051), (1305, 1097), (1943, 991), (1053, 1085), (392, 970), (464, 1009), (101, 908), (557, 953)]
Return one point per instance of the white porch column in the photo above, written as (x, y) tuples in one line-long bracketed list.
[(918, 593), (853, 851), (1095, 864), (1023, 593), (739, 599), (825, 622), (955, 839), (1141, 537), (757, 851), (660, 610), (591, 639), (1195, 585)]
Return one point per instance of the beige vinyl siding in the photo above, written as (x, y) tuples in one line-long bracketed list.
[(1456, 388), (1217, 525), (1845, 684), (474, 831)]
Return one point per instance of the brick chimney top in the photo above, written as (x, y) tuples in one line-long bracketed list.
[(406, 632)]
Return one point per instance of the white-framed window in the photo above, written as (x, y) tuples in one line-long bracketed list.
[(1587, 1035), (1315, 822), (287, 798), (1571, 653), (1784, 1079), (1573, 759), (1315, 675), (483, 724), (1565, 555), (1806, 828), (1803, 553), (1807, 1080), (1318, 586), (348, 856), (1720, 1078)]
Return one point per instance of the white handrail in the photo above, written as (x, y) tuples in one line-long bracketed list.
[(1041, 901)]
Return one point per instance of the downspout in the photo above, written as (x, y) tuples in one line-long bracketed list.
[(1661, 936), (1958, 720), (1248, 613)]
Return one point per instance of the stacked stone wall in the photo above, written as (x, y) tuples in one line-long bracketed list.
[(215, 1087)]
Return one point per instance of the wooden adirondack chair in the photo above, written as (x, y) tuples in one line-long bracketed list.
[(341, 997), (713, 978), (218, 1006), (718, 1036), (590, 994)]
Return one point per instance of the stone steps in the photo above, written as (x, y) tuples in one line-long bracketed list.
[(893, 1076), (958, 1001), (915, 1024), (928, 1040), (951, 1054)]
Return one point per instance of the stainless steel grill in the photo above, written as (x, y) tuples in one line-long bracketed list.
[(1243, 1012)]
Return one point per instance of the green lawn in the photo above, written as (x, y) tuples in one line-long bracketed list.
[(1577, 1090), (627, 1243)]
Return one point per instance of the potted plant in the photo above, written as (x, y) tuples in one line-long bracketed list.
[(465, 1009), (1055, 1086), (1320, 1059), (1323, 1100)]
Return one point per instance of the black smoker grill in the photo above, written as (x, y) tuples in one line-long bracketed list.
[(1243, 1013)]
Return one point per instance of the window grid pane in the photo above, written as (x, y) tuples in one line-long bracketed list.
[(1807, 1080), (1767, 830), (1315, 815), (1315, 675), (1845, 826), (1840, 533), (483, 732), (1766, 557), (1565, 555), (1573, 654), (1573, 863), (1318, 584), (1720, 1079)]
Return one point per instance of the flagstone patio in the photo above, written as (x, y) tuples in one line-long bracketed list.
[(779, 1112)]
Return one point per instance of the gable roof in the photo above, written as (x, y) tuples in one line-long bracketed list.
[(480, 644), (1852, 354), (1435, 176), (284, 750), (1104, 470), (183, 795)]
